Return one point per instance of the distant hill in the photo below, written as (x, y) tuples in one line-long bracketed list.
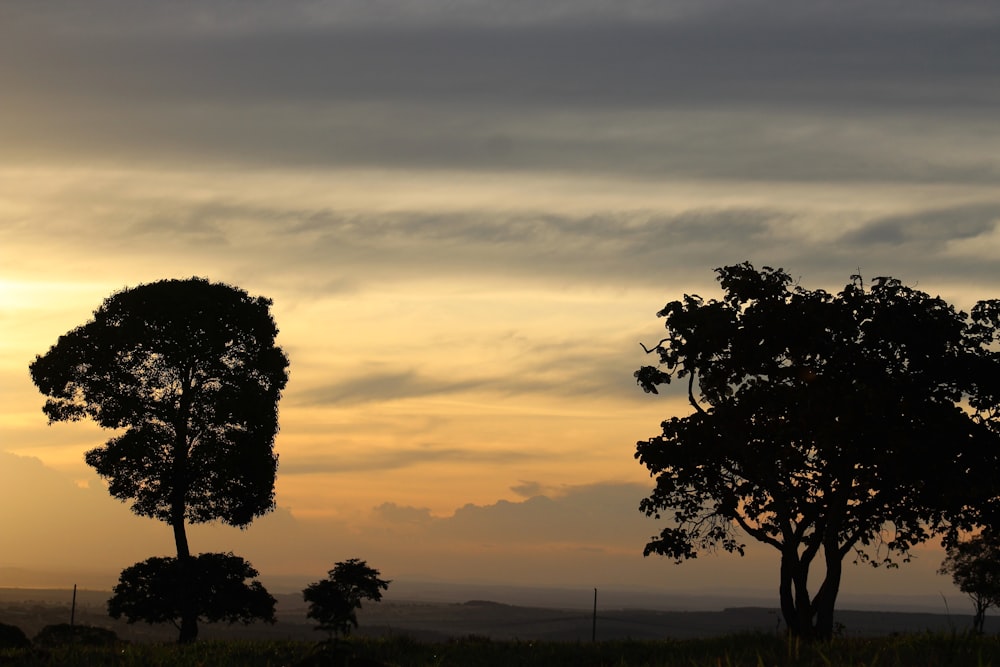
[(479, 615), (610, 597)]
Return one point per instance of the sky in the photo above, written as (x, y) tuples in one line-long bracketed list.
[(467, 214)]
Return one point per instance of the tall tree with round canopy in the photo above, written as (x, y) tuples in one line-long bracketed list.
[(862, 422), (190, 372)]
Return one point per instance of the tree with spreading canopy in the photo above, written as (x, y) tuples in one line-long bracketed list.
[(334, 601), (155, 591), (862, 422), (189, 373), (974, 566)]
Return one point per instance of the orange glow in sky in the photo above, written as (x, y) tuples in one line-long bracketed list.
[(464, 254)]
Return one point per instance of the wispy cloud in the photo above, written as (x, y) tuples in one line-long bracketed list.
[(528, 489), (383, 387), (330, 251), (935, 226), (380, 461)]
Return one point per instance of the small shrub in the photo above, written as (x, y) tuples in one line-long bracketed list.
[(12, 636)]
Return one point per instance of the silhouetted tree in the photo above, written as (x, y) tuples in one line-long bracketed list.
[(334, 601), (822, 424), (190, 371), (974, 566), (12, 637), (160, 590)]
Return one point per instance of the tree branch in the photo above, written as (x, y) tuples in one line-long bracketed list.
[(691, 398), (656, 347), (756, 533)]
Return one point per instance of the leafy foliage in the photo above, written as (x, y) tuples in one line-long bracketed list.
[(189, 369), (334, 601), (12, 636), (822, 423), (161, 590), (974, 566)]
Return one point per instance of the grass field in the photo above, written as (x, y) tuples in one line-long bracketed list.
[(937, 650), (408, 634)]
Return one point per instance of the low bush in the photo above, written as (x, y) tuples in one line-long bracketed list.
[(12, 636)]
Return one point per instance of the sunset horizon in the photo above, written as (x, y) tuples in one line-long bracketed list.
[(467, 217)]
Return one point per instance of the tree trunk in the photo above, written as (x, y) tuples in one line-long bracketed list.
[(188, 610), (189, 614), (826, 598), (786, 595), (796, 607), (979, 620), (180, 538), (810, 619)]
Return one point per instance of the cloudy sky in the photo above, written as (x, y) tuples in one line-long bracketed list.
[(467, 214)]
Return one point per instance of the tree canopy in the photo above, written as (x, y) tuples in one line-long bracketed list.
[(859, 422), (160, 590), (190, 372), (334, 601)]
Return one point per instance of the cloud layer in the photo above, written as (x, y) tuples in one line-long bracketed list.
[(768, 90)]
